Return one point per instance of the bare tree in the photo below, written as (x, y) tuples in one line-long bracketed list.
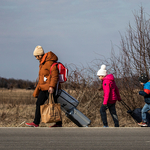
[(134, 58)]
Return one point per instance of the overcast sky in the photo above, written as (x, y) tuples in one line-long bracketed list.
[(77, 31)]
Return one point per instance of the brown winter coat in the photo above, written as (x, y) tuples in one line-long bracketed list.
[(46, 79)]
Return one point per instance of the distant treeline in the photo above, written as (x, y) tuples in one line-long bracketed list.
[(16, 83), (11, 83)]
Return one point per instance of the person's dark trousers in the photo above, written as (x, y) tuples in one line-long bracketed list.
[(112, 111), (43, 96)]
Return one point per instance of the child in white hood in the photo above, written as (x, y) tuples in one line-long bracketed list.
[(111, 95)]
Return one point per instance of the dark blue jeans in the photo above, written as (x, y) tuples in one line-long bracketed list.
[(112, 111), (43, 96)]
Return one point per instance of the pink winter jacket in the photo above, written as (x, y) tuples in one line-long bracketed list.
[(111, 92)]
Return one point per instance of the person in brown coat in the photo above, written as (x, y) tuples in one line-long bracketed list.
[(47, 82)]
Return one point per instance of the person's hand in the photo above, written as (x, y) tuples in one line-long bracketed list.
[(141, 83), (51, 90), (105, 106)]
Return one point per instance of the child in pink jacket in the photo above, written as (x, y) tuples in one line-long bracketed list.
[(111, 95)]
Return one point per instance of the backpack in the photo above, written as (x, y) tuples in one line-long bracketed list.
[(63, 71)]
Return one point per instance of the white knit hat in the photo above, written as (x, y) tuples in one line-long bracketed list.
[(102, 71), (38, 51)]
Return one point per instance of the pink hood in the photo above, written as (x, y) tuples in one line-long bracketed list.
[(111, 92)]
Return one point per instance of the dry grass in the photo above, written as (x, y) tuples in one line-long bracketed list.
[(18, 106)]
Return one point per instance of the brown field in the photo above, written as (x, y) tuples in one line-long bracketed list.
[(18, 106)]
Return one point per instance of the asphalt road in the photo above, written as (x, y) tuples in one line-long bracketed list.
[(74, 138)]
